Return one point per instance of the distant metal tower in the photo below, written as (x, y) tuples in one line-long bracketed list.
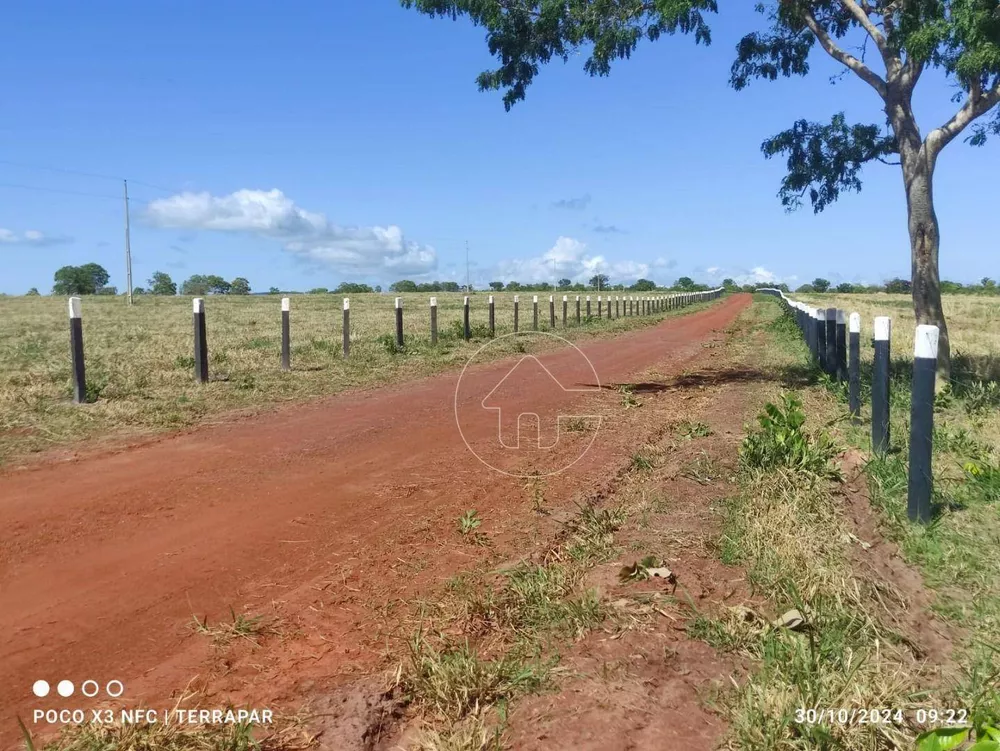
[(128, 252)]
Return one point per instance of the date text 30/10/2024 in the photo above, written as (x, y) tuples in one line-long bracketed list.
[(882, 716)]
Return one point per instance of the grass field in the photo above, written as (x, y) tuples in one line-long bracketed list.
[(140, 362)]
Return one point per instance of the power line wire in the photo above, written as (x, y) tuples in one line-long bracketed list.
[(85, 174)]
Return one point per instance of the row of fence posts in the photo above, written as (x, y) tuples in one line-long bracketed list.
[(834, 340), (624, 306)]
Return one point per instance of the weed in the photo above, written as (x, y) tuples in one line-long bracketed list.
[(687, 429), (640, 463), (536, 487), (469, 522), (389, 344), (593, 533), (629, 400), (702, 469), (241, 626), (781, 441)]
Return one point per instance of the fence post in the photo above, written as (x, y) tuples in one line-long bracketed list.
[(617, 308), (609, 307), (517, 305), (76, 351), (565, 307), (841, 345), (880, 385), (577, 310), (286, 334), (347, 326), (918, 497), (831, 341), (588, 308), (434, 320), (820, 324), (854, 367), (466, 328), (600, 307), (534, 313), (552, 312), (399, 322), (200, 342), (493, 320)]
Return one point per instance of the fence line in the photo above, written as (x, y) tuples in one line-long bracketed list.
[(822, 331)]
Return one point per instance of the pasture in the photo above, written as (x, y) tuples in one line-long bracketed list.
[(140, 360)]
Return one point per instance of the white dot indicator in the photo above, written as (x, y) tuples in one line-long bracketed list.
[(115, 688), (89, 689), (65, 688), (40, 688)]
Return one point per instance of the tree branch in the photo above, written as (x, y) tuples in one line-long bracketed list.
[(863, 71), (862, 18), (977, 103)]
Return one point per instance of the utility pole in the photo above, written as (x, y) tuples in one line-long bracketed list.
[(128, 252), (468, 278)]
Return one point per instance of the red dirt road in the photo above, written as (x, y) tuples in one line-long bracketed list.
[(104, 560)]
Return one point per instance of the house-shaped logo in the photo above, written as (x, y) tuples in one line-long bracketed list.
[(515, 399)]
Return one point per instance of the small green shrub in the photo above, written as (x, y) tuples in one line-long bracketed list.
[(781, 441)]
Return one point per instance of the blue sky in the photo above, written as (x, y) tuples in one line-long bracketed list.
[(309, 143)]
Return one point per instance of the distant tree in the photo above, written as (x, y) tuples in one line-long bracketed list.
[(196, 285), (378, 288), (403, 285), (318, 291), (806, 288), (898, 286), (844, 288), (351, 288), (951, 287), (820, 285), (599, 281), (496, 286), (729, 285), (273, 291), (514, 287), (88, 279), (33, 292), (160, 283), (110, 291), (643, 285), (239, 286), (564, 283), (217, 285), (450, 287), (685, 283), (988, 284)]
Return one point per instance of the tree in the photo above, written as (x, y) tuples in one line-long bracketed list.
[(643, 285), (898, 286), (318, 291), (564, 283), (845, 288), (33, 292), (88, 279), (404, 285), (988, 284), (599, 281), (160, 283), (820, 285), (806, 288), (959, 38), (685, 283), (496, 286), (273, 291), (239, 286), (729, 285), (351, 288), (217, 285)]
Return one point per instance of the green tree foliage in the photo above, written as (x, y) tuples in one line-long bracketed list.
[(899, 41), (138, 291), (643, 285), (684, 283), (898, 286), (820, 285), (33, 292), (89, 279), (273, 291), (729, 285), (318, 291), (239, 286), (806, 288), (404, 285), (160, 283), (565, 283), (845, 288), (352, 288), (496, 286), (599, 281)]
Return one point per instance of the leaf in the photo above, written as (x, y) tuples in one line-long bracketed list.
[(793, 620), (986, 745), (942, 739)]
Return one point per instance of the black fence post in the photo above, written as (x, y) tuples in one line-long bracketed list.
[(880, 385), (600, 307), (347, 326), (577, 310), (434, 320), (588, 308), (517, 312), (841, 345), (200, 342), (76, 351), (552, 311), (609, 307), (921, 481), (466, 327), (286, 334), (399, 323), (565, 308), (854, 367), (831, 342), (534, 313), (493, 319), (617, 307), (821, 338)]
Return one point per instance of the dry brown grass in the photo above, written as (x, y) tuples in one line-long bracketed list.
[(140, 371)]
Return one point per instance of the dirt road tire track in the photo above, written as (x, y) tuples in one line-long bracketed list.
[(103, 561)]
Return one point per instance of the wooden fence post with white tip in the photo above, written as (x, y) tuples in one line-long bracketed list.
[(286, 334), (200, 342), (76, 351), (552, 311), (565, 308), (493, 318), (854, 366), (517, 301), (577, 310), (925, 351), (534, 313), (841, 345), (347, 327), (434, 320), (880, 385), (466, 326), (399, 323)]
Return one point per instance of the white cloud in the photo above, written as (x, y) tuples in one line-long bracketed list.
[(309, 235), (759, 275), (713, 270), (31, 237), (568, 259)]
